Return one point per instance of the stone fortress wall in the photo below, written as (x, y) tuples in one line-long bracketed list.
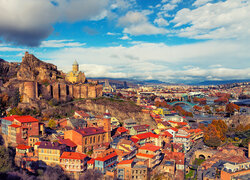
[(33, 90)]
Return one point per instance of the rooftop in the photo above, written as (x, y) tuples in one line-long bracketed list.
[(150, 147), (73, 155), (25, 119), (90, 131)]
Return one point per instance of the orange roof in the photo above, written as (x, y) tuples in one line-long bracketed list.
[(38, 143), (73, 155), (188, 136), (150, 147), (25, 119), (23, 147), (166, 133), (106, 157), (145, 155), (122, 129), (91, 161), (126, 161), (145, 135), (14, 126), (174, 129), (10, 118)]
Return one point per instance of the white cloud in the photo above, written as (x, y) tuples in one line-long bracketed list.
[(29, 22), (201, 2), (125, 37), (6, 48), (161, 22), (61, 43), (200, 61), (136, 23), (169, 7), (221, 20)]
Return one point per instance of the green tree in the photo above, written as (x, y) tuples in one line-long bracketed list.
[(52, 123), (5, 160)]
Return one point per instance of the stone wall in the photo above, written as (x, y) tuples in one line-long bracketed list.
[(59, 91)]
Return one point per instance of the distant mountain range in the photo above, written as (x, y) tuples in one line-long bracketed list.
[(222, 82), (155, 82)]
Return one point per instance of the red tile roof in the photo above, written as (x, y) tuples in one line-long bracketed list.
[(38, 143), (67, 142), (23, 147), (145, 135), (188, 136), (150, 147), (166, 133), (25, 119), (126, 161), (174, 129), (90, 131), (122, 129), (73, 155), (141, 127), (106, 157), (14, 126), (10, 118), (91, 161), (82, 113), (145, 155)]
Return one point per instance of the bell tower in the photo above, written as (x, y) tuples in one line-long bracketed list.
[(75, 66)]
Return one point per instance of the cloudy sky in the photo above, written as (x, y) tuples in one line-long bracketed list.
[(168, 40)]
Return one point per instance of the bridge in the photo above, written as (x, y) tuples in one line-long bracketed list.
[(182, 102)]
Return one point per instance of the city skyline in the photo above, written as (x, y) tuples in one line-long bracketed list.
[(168, 40)]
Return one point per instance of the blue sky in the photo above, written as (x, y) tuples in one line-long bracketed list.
[(169, 40)]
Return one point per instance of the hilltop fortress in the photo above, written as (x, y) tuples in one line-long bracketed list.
[(40, 80)]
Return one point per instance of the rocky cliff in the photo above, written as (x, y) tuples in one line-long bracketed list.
[(8, 70), (122, 110), (33, 69)]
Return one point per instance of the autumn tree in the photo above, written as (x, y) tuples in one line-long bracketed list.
[(231, 108), (52, 123)]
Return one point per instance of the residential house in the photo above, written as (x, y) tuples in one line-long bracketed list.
[(196, 134), (172, 131), (236, 171), (82, 115), (184, 138), (126, 149), (139, 129), (32, 140), (131, 169), (73, 162), (129, 123), (22, 128), (177, 157), (107, 161), (5, 122), (91, 164), (87, 138), (114, 123), (148, 137), (151, 153), (49, 153), (168, 166), (163, 125), (26, 158)]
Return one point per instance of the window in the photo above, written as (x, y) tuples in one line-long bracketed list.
[(94, 139), (98, 138), (90, 140)]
